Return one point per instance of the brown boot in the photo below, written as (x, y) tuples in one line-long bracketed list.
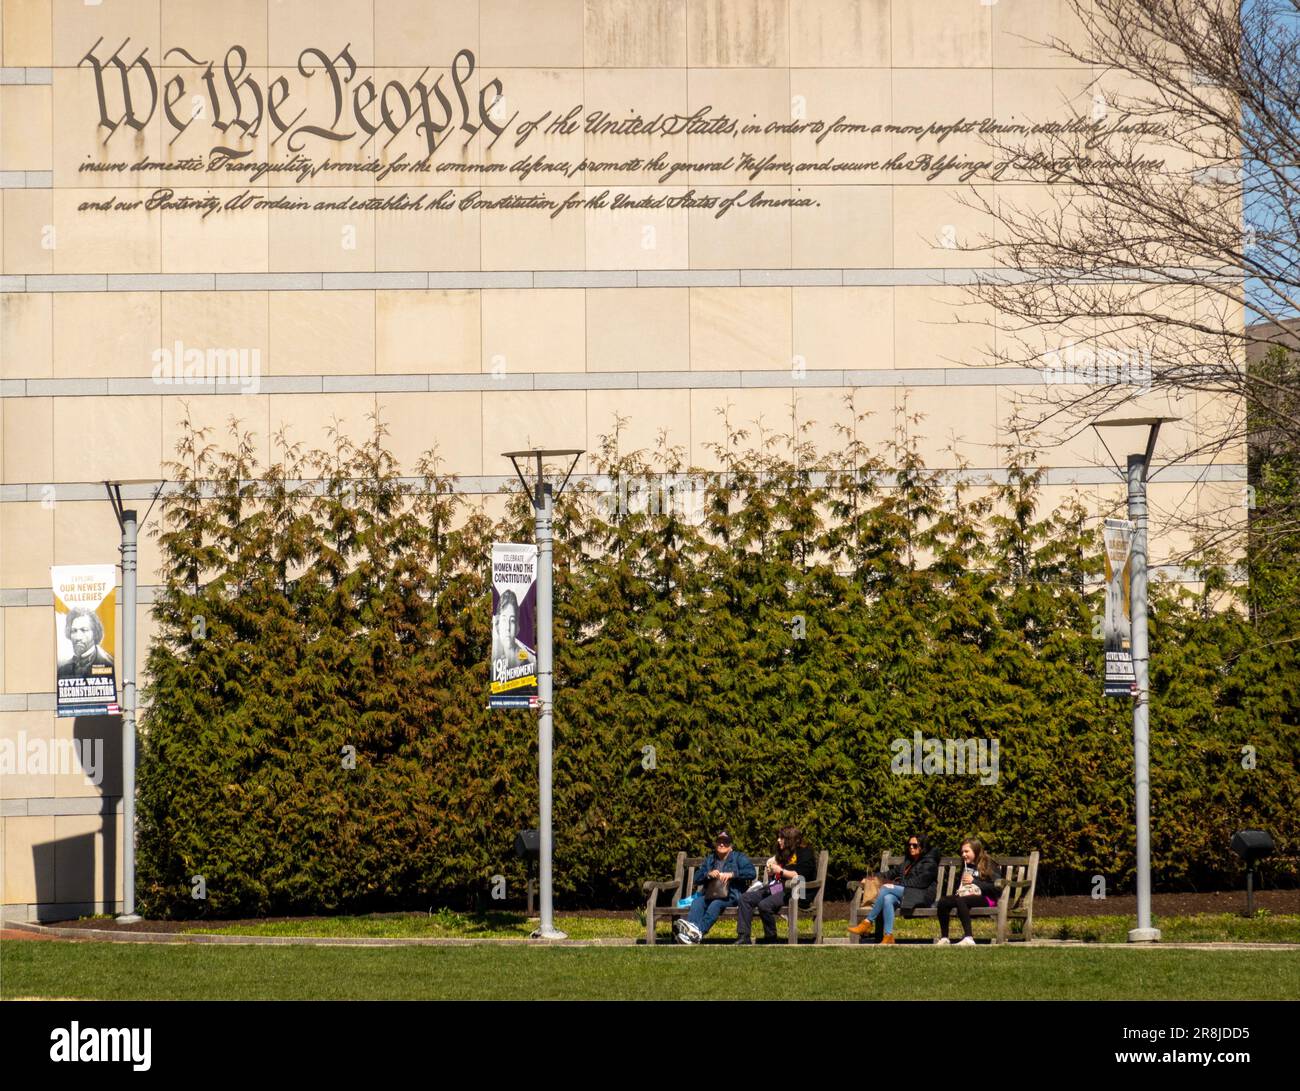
[(887, 938), (862, 927)]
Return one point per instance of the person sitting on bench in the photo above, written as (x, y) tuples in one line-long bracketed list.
[(724, 875), (979, 887)]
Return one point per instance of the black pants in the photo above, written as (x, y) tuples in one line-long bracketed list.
[(768, 905), (963, 905)]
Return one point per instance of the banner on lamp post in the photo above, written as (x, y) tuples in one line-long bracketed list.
[(1117, 630), (85, 639), (514, 626)]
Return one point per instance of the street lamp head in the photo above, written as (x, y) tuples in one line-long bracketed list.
[(1135, 425), (114, 490), (543, 466)]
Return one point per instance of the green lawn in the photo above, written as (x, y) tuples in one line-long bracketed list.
[(1207, 928), (180, 971)]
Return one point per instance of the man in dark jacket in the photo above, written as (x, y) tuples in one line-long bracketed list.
[(910, 885), (724, 877)]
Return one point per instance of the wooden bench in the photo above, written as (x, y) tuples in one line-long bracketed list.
[(663, 898), (1015, 893)]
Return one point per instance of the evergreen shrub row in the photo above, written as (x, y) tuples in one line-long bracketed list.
[(316, 736)]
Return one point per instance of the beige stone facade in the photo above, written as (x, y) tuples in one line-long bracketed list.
[(474, 326)]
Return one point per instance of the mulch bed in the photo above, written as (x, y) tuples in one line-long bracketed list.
[(1168, 905)]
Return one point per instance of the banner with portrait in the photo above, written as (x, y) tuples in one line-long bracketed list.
[(514, 626), (85, 639), (1117, 625)]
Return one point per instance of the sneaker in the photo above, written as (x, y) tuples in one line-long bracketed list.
[(966, 941), (694, 932), (681, 930), (942, 941)]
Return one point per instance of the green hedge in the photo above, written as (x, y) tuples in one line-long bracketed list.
[(316, 736)]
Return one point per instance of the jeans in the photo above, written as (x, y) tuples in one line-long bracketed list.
[(768, 905), (887, 903), (705, 912)]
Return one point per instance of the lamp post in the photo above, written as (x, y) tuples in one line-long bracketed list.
[(126, 520), (542, 494), (1138, 470)]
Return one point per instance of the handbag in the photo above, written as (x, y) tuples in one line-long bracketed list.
[(715, 888), (869, 891)]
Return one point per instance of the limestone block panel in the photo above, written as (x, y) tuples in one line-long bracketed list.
[(29, 867), (617, 319), (754, 237), (93, 443), (1024, 30), (950, 430), (531, 238), (448, 423), (942, 34), (941, 327), (312, 418), (93, 241), (524, 35), (424, 32), (28, 544), (635, 34), (527, 330), (937, 227), (30, 234), (28, 737), (428, 239), (839, 33), (26, 128), (236, 322), (27, 34), (844, 327), (847, 226), (315, 334), (738, 33), (227, 417), (86, 532), (28, 440), (295, 25), (106, 333), (741, 329), (29, 648), (427, 331), (640, 235), (517, 419), (26, 335), (648, 421)]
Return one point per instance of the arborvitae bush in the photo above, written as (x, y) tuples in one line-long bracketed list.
[(316, 735)]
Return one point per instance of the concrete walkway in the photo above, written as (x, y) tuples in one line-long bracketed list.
[(24, 930)]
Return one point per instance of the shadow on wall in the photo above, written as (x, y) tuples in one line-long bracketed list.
[(80, 874)]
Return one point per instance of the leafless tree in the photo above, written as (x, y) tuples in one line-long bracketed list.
[(1159, 269)]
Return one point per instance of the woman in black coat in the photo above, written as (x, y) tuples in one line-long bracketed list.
[(908, 886)]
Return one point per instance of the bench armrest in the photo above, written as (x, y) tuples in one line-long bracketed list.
[(666, 887), (1014, 884)]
